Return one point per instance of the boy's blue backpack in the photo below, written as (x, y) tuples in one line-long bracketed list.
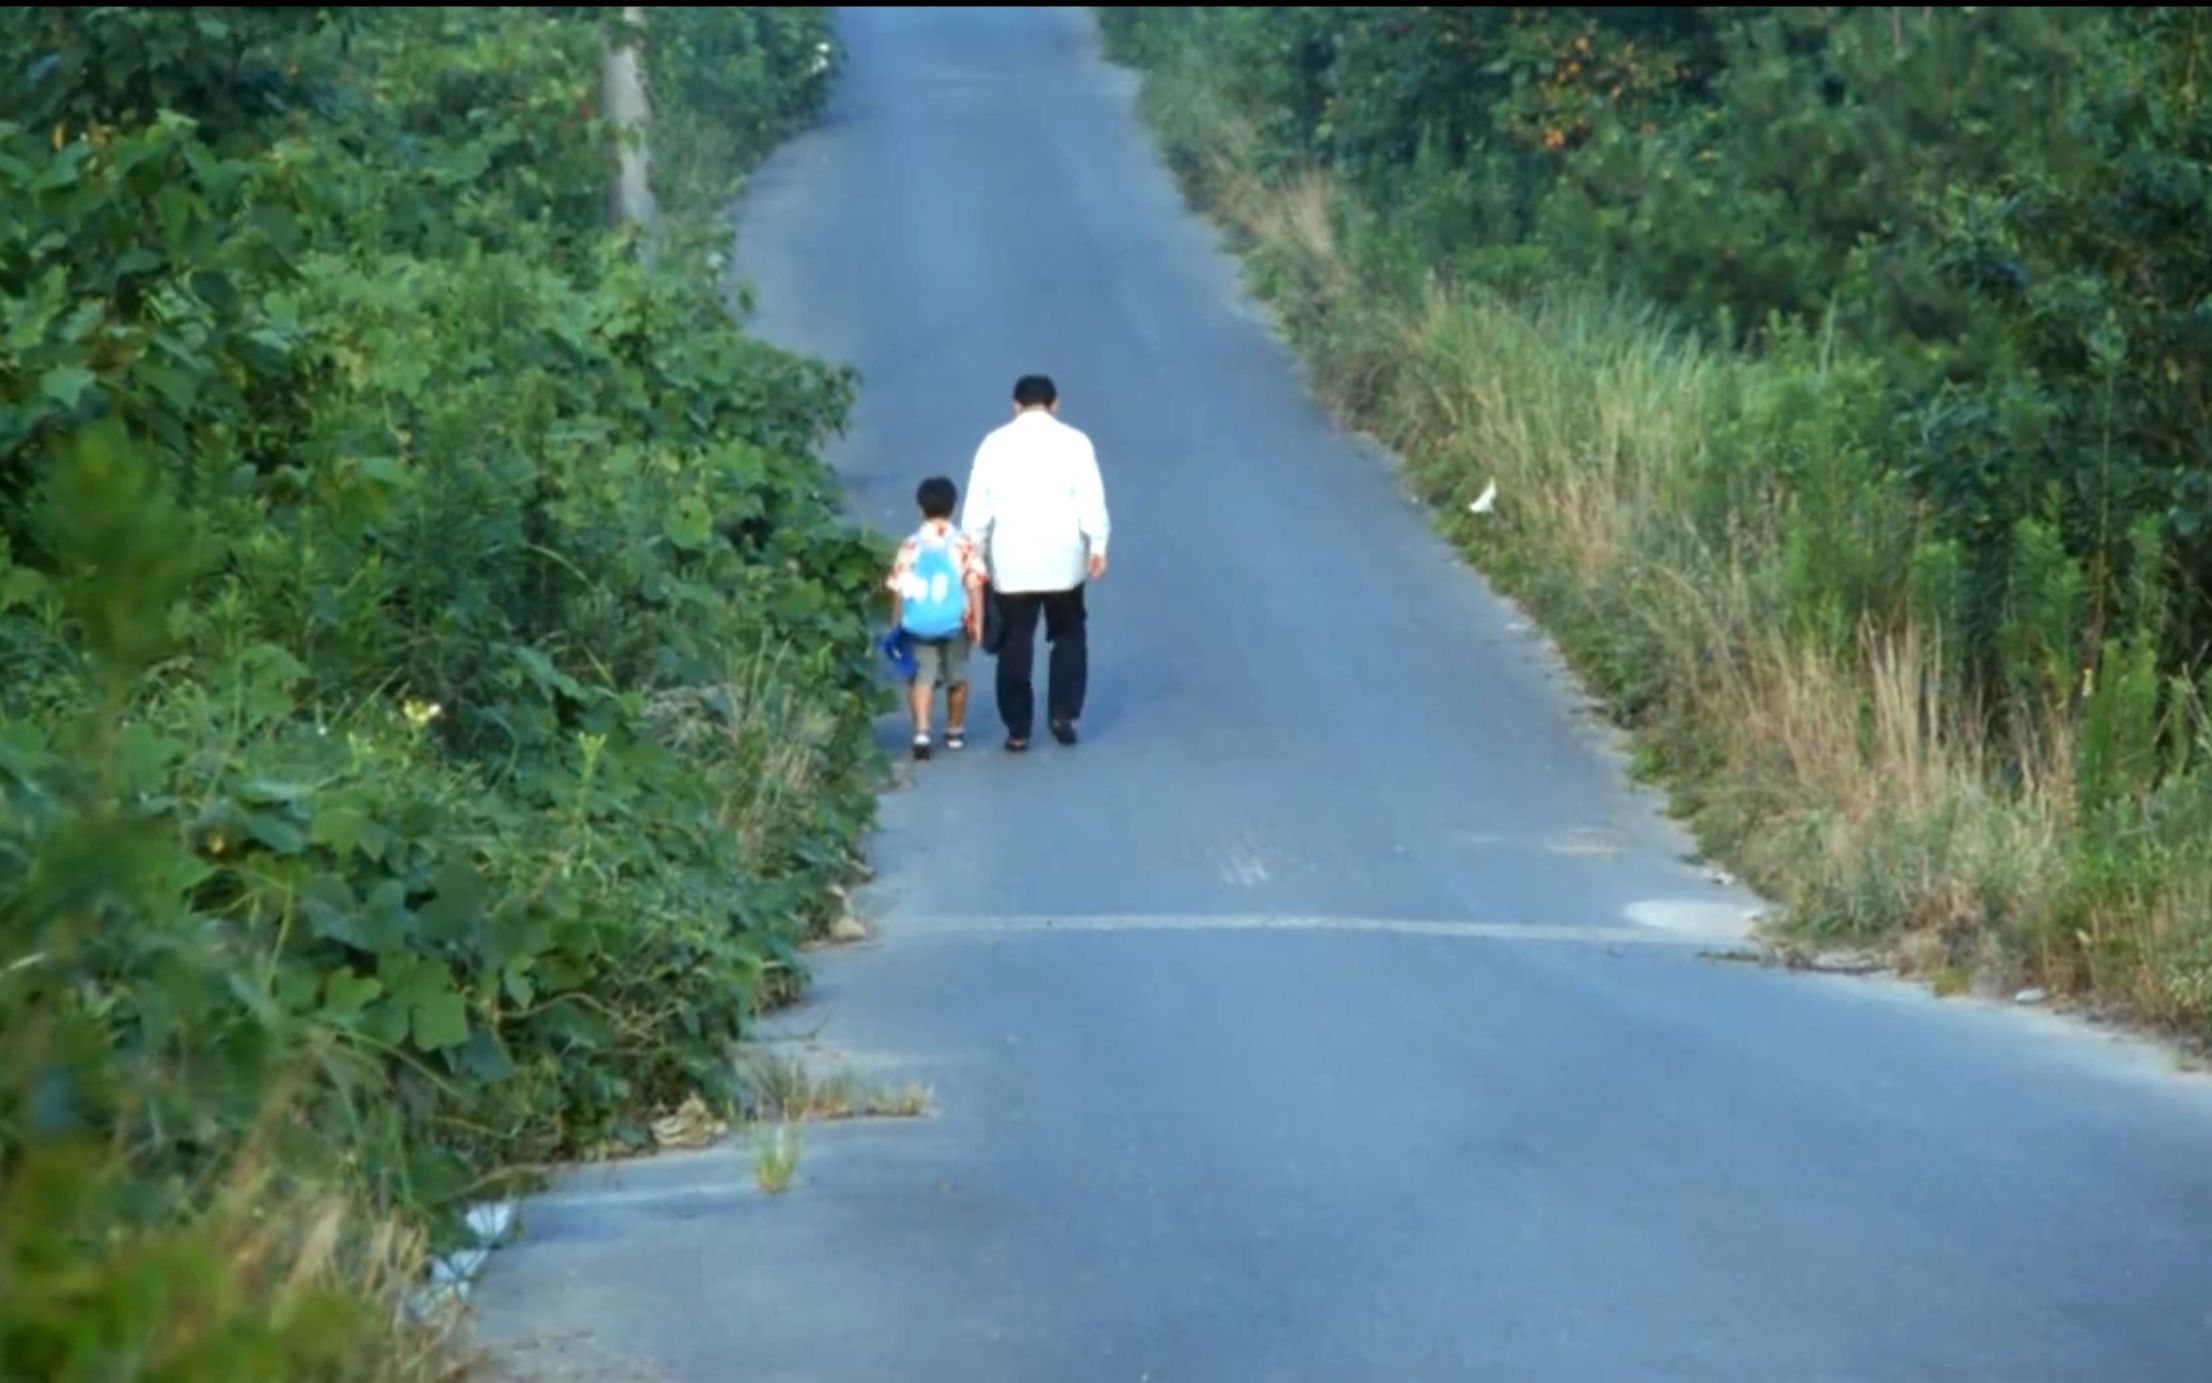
[(936, 603)]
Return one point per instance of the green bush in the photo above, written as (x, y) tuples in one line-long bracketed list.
[(438, 700)]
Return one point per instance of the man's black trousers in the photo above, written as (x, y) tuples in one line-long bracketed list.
[(1064, 629)]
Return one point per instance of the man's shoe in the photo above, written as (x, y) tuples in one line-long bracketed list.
[(1064, 731)]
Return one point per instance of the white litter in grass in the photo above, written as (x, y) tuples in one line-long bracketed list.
[(452, 1274), (456, 1268), (490, 1222), (1486, 501)]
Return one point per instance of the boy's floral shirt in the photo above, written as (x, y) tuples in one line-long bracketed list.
[(965, 555)]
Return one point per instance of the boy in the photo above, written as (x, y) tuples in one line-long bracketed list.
[(937, 603)]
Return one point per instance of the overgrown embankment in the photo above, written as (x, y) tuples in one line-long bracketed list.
[(1846, 377), (436, 701)]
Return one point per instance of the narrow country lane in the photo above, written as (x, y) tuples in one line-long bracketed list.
[(1336, 1011)]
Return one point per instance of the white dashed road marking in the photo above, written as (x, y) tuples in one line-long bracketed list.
[(951, 928)]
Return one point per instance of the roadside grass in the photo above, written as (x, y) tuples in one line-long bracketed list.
[(1677, 516), (787, 1089)]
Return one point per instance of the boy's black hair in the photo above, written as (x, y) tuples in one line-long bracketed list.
[(1035, 391), (937, 496)]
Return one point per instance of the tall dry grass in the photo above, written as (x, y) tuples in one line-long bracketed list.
[(766, 748)]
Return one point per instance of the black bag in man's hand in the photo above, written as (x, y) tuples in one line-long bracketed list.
[(994, 623)]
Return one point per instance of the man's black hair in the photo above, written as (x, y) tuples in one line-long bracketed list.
[(1035, 391), (937, 496)]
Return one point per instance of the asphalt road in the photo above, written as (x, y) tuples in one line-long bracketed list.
[(1336, 1011)]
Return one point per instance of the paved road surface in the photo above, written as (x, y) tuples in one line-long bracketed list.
[(1374, 1041)]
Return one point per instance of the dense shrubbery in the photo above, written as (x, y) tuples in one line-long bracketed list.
[(1846, 375), (436, 699)]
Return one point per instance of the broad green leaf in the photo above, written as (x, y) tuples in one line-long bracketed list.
[(384, 919), (441, 1021), (147, 755), (297, 986), (251, 996), (400, 969), (269, 673), (66, 384), (576, 1026), (23, 746), (482, 1057), (278, 834), (338, 827), (690, 524), (180, 389), (274, 663), (437, 1176), (459, 902), (268, 791), (333, 913), (384, 1020), (513, 935), (21, 586), (349, 829), (64, 169), (29, 318), (384, 470), (546, 675), (346, 995)]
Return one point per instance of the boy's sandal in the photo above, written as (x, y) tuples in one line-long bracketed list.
[(956, 739), (921, 748), (1014, 746)]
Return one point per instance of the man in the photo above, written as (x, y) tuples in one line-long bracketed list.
[(1036, 503)]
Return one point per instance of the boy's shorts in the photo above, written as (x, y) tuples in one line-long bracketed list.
[(941, 662)]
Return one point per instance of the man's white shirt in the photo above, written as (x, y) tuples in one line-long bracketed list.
[(1037, 504)]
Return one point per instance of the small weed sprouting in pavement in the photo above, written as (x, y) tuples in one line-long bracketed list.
[(776, 1157), (782, 1095)]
